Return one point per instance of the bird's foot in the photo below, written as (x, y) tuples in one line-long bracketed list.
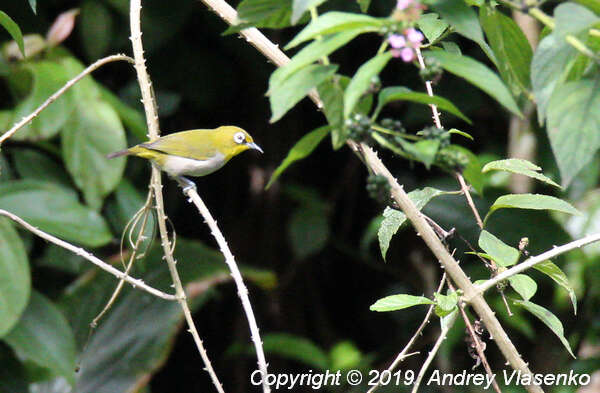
[(186, 184)]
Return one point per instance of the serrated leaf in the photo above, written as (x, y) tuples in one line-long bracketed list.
[(477, 74), (13, 29), (15, 285), (393, 219), (44, 337), (55, 210), (503, 254), (574, 125), (523, 285), (91, 133), (262, 13), (445, 304), (332, 95), (300, 150), (401, 93), (464, 21), (511, 48), (431, 26), (399, 302), (296, 87), (299, 7), (423, 151), (333, 22), (555, 273), (519, 166), (531, 201), (549, 320), (309, 54), (362, 80)]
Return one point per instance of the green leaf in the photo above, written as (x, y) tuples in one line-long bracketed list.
[(332, 95), (91, 133), (13, 29), (15, 284), (524, 285), (300, 150), (132, 119), (423, 151), (262, 13), (459, 132), (333, 22), (531, 201), (549, 320), (393, 219), (398, 302), (47, 78), (299, 7), (34, 165), (364, 5), (312, 52), (55, 210), (555, 273), (477, 74), (296, 87), (289, 346), (504, 255), (96, 28), (431, 26), (344, 355), (309, 229), (362, 80), (519, 166), (44, 337), (571, 18), (464, 21), (445, 304), (33, 4), (125, 204), (401, 93), (574, 125), (593, 5), (511, 48)]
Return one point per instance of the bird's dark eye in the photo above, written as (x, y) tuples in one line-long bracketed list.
[(239, 137)]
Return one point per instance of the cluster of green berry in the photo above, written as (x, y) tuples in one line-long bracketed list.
[(359, 128), (432, 71), (379, 188), (436, 133), (393, 125)]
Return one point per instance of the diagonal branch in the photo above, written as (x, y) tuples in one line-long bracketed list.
[(136, 283)]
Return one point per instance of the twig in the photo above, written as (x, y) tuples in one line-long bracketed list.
[(61, 91), (136, 283), (478, 347), (239, 282), (465, 189), (403, 354), (445, 328), (530, 262), (375, 165), (156, 185)]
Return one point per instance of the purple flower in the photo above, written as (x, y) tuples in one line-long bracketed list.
[(407, 54), (397, 41), (403, 4), (414, 36)]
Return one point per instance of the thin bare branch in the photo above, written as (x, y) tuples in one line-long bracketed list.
[(465, 189), (61, 91), (136, 283)]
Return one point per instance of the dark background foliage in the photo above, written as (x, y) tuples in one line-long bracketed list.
[(309, 227)]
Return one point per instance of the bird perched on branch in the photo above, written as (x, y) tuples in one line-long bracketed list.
[(193, 153)]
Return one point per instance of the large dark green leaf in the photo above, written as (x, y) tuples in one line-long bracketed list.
[(512, 50), (332, 95), (399, 302), (464, 20), (91, 133), (34, 165), (400, 93), (362, 80), (333, 22), (477, 74), (574, 125), (47, 78), (503, 254), (523, 285), (13, 29), (531, 201), (55, 210), (300, 150), (15, 284), (519, 166), (288, 93), (263, 13), (554, 272), (44, 337), (431, 26)]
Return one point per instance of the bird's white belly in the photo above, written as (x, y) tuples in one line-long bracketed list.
[(181, 166)]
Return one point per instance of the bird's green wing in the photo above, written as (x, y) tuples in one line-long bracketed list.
[(196, 144)]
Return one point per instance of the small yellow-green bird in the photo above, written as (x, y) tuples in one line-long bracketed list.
[(194, 152)]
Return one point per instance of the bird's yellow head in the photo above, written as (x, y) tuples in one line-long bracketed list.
[(231, 141)]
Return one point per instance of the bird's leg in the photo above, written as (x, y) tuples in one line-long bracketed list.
[(185, 183)]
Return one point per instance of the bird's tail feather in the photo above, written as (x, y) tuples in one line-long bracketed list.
[(119, 153)]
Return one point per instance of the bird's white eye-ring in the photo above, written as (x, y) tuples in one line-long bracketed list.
[(239, 138)]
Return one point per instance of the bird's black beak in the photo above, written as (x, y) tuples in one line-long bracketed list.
[(254, 146)]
